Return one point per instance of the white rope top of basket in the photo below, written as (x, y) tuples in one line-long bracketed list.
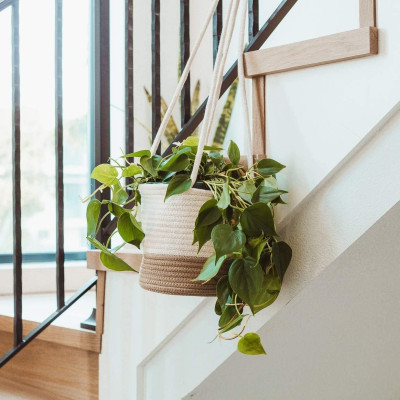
[(216, 83)]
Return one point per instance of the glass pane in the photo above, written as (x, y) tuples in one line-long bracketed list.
[(76, 57), (5, 133)]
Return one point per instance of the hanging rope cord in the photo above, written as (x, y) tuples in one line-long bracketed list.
[(216, 83)]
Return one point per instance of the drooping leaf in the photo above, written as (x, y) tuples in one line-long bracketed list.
[(281, 257), (92, 216), (150, 164), (267, 294), (223, 291), (178, 184), (234, 153), (203, 235), (139, 153), (217, 308), (116, 210), (266, 194), (246, 190), (210, 269), (98, 245), (130, 229), (131, 170), (233, 324), (246, 281), (226, 240), (209, 213), (268, 167), (111, 261), (257, 219), (176, 162), (225, 198), (119, 194), (255, 251), (105, 173), (250, 344)]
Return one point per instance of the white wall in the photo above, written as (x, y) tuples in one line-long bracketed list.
[(328, 125)]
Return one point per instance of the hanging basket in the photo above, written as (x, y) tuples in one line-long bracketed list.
[(170, 261)]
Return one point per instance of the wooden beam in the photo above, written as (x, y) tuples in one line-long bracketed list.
[(93, 260), (258, 110), (309, 53), (367, 13), (79, 339), (100, 298)]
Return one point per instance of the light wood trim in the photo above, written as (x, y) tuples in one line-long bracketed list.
[(367, 13), (100, 300), (79, 339), (323, 50), (93, 260), (258, 111)]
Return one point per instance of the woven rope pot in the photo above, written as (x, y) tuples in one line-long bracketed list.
[(170, 262)]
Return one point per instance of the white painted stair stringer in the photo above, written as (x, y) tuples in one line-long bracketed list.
[(321, 227)]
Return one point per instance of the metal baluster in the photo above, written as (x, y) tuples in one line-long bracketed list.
[(60, 255), (253, 19), (129, 114), (185, 53), (217, 29)]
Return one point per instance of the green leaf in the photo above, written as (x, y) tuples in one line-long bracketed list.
[(139, 153), (130, 229), (217, 308), (255, 252), (92, 216), (226, 240), (250, 344), (258, 219), (234, 153), (268, 167), (246, 281), (246, 190), (266, 194), (116, 210), (178, 184), (216, 158), (209, 213), (267, 294), (281, 257), (191, 141), (223, 291), (203, 234), (210, 269), (225, 198), (105, 173), (177, 162), (131, 170), (111, 261), (233, 324), (98, 245), (150, 164), (119, 195)]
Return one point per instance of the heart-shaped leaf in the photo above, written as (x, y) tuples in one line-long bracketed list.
[(210, 269), (150, 164), (209, 213), (111, 261), (178, 184), (119, 194), (116, 210), (234, 153), (246, 190), (257, 219), (177, 162), (105, 173), (266, 194), (246, 281), (267, 294), (223, 291), (92, 216), (139, 153), (130, 229), (281, 257), (250, 344), (268, 167), (131, 170), (226, 240), (225, 198)]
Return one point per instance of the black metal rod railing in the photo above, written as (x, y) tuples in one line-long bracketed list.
[(155, 69), (5, 3), (43, 257), (217, 29), (253, 19), (185, 53), (129, 116), (60, 254), (48, 321), (16, 161)]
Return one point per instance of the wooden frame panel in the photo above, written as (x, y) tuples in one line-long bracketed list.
[(367, 13), (342, 46)]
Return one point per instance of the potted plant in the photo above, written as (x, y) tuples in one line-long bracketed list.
[(217, 238)]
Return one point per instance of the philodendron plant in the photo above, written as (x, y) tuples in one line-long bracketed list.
[(238, 219)]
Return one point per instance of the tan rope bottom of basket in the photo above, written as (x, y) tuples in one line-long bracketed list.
[(174, 275)]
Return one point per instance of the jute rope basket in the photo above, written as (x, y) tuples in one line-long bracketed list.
[(170, 262)]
